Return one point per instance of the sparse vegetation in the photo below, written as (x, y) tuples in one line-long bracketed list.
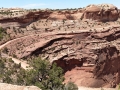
[(2, 33), (71, 86), (43, 75)]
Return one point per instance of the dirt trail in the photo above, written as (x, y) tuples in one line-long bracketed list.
[(24, 65)]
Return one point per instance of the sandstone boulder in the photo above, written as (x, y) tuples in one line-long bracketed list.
[(101, 12)]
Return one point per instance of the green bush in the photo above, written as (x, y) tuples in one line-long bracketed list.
[(5, 50), (2, 65), (10, 60), (71, 86), (17, 65)]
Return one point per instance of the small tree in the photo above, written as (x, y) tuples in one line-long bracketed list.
[(2, 33), (45, 75), (5, 50)]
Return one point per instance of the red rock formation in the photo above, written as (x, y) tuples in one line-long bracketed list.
[(66, 15), (29, 18), (102, 12)]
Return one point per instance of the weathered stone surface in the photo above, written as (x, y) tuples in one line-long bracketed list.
[(101, 12), (4, 86)]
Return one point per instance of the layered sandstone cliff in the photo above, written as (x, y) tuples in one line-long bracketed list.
[(102, 12)]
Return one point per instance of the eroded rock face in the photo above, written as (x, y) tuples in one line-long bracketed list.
[(28, 18), (102, 12), (49, 15), (91, 47), (66, 15), (108, 64)]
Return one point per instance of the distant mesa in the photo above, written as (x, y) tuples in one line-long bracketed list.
[(100, 12)]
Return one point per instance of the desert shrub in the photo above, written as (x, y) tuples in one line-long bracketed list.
[(2, 33), (10, 60), (7, 79), (5, 13), (14, 56), (2, 65), (71, 86), (5, 50), (17, 65)]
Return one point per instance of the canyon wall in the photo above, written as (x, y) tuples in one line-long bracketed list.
[(102, 12)]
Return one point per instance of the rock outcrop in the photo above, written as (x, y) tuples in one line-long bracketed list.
[(101, 12), (66, 15), (108, 64), (28, 18)]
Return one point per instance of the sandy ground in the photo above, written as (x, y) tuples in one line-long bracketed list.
[(85, 88)]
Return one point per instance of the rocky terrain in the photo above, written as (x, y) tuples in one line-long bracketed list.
[(84, 42), (4, 86)]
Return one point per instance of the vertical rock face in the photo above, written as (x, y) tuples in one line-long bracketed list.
[(101, 12), (108, 65), (108, 61)]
